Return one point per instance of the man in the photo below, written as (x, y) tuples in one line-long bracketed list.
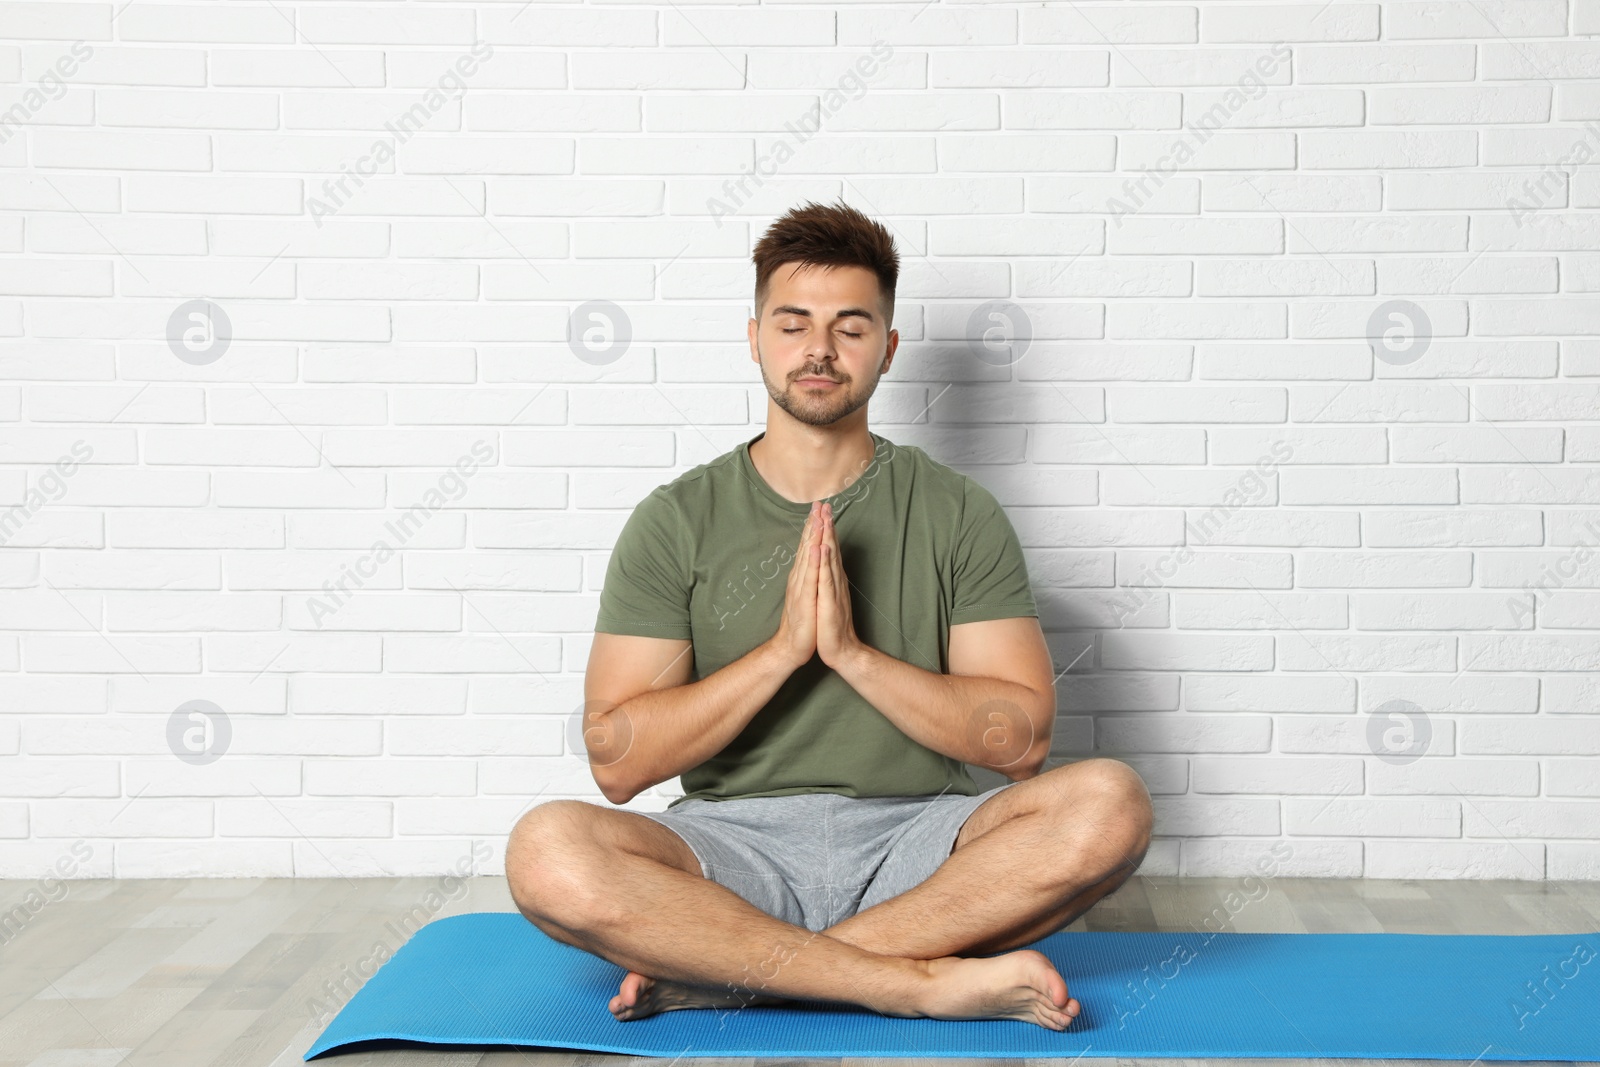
[(830, 845)]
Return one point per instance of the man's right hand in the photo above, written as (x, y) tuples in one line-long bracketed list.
[(796, 638)]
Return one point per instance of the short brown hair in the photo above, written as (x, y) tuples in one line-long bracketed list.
[(834, 235)]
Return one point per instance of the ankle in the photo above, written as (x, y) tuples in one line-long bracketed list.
[(921, 985)]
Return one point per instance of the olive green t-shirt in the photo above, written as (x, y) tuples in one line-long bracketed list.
[(706, 557)]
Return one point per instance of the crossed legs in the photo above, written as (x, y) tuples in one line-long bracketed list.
[(1027, 862), (1038, 855)]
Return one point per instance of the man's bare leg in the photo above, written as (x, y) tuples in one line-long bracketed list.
[(936, 918), (1024, 898), (656, 919)]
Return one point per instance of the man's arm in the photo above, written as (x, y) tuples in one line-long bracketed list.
[(646, 723), (649, 726), (996, 708)]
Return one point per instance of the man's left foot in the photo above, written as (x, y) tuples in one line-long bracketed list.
[(640, 996)]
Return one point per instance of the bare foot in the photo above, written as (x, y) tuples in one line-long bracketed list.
[(1022, 985), (640, 996)]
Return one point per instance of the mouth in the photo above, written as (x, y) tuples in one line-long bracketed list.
[(819, 381)]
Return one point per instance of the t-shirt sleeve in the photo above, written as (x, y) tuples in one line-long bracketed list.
[(646, 591), (989, 575)]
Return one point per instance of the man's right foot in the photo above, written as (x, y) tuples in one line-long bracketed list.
[(1021, 985)]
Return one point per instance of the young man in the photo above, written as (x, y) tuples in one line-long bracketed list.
[(818, 630)]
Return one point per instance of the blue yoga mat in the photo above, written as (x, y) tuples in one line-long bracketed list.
[(496, 979)]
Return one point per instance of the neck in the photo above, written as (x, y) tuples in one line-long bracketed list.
[(805, 463)]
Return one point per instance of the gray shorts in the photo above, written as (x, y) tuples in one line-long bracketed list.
[(815, 859)]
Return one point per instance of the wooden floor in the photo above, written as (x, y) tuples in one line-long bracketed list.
[(224, 971)]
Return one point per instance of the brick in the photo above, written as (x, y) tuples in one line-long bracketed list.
[(1531, 818), (1184, 733), (1373, 817), (1219, 857), (1193, 816), (1572, 777), (1448, 777), (395, 778), (1275, 775), (1354, 736), (1457, 860)]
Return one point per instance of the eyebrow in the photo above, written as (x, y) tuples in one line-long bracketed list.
[(792, 309)]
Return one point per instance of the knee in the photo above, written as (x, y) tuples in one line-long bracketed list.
[(548, 866), (1120, 794)]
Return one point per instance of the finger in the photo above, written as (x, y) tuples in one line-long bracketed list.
[(813, 560), (825, 594), (836, 579), (831, 539)]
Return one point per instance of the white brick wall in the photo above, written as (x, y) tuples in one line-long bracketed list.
[(1331, 599)]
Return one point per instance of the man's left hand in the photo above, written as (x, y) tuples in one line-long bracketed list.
[(837, 643)]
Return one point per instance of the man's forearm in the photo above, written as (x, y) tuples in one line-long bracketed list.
[(987, 722), (664, 732)]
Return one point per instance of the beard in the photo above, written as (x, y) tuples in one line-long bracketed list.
[(817, 407)]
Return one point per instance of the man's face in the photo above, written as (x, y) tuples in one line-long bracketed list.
[(822, 341)]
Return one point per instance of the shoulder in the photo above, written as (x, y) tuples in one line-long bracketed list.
[(941, 483), (689, 493), (928, 474)]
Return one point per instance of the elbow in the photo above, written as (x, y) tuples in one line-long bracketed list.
[(1019, 741), (1031, 766), (607, 745), (1044, 723), (616, 797), (613, 789), (1030, 763)]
